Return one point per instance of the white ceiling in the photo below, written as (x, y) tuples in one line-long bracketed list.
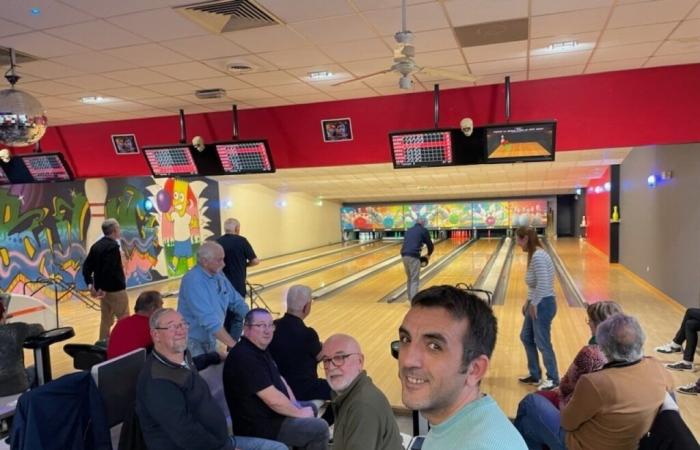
[(380, 182), (148, 60)]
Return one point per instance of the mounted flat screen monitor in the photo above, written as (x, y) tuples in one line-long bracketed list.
[(520, 142), (46, 167), (428, 148), (239, 157), (170, 160)]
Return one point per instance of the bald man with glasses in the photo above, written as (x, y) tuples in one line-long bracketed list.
[(260, 401)]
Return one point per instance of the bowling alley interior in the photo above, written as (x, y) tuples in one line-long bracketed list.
[(328, 129)]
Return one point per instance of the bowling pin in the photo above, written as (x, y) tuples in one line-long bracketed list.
[(96, 193)]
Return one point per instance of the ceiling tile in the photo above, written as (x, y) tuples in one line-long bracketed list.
[(498, 78), (421, 17), (368, 66), (472, 12), (53, 14), (268, 102), (291, 12), (543, 46), (267, 39), (188, 71), (57, 102), (356, 50), (555, 71), (205, 47), (635, 35), (96, 35), (559, 60), (508, 50), (126, 106), (92, 82), (569, 22), (541, 7), (108, 8), (620, 64), (130, 93), (310, 98), (138, 76), (439, 58), (9, 28), (224, 82), (173, 88), (288, 90), (354, 93), (695, 14), (159, 24), (41, 45), (93, 62), (165, 102), (624, 52), (249, 94), (300, 57), (49, 87), (650, 12), (335, 29), (383, 80), (263, 79), (148, 55), (255, 62), (676, 47), (496, 67), (47, 69), (687, 29)]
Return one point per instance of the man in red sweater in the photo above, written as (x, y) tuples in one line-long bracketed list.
[(133, 332)]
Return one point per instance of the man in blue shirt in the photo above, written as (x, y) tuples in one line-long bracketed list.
[(413, 242), (205, 296), (446, 342)]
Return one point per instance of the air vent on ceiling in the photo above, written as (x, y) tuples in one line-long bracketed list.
[(492, 32), (205, 94), (221, 16), (20, 57)]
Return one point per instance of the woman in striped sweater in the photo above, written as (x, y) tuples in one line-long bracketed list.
[(539, 311)]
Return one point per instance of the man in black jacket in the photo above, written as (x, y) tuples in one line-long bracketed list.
[(104, 274)]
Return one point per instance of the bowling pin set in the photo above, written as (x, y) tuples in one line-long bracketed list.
[(460, 234), (369, 235)]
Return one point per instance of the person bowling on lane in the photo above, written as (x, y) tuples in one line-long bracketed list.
[(539, 311), (413, 242)]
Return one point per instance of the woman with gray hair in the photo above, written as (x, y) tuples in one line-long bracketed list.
[(611, 408)]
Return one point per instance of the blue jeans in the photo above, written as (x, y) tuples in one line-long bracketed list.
[(537, 335), (307, 433), (538, 421), (253, 443)]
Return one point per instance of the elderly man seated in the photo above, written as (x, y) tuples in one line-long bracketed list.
[(363, 416), (14, 378), (610, 409)]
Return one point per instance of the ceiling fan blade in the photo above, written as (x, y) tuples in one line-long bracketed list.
[(363, 77), (447, 74)]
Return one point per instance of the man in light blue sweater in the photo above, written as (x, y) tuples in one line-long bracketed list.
[(447, 339)]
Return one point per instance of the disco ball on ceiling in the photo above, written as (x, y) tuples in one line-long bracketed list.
[(22, 118)]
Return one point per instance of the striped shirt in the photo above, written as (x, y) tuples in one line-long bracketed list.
[(539, 277)]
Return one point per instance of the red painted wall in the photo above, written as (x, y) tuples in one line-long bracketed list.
[(598, 213), (626, 108)]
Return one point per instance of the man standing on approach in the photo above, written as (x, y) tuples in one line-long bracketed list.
[(104, 274), (413, 242)]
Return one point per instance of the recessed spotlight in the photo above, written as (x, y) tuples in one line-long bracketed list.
[(563, 46), (35, 11), (95, 100), (320, 75)]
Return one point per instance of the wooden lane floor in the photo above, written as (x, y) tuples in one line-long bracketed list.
[(659, 315), (281, 259), (467, 266), (283, 272)]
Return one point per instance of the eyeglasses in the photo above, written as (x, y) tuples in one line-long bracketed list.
[(175, 326), (262, 326), (338, 360)]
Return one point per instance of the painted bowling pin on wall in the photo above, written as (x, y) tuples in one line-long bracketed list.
[(96, 193)]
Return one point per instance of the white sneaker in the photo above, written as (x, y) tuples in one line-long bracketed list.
[(547, 385), (671, 347)]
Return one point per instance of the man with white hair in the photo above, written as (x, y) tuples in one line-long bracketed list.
[(238, 255), (363, 416), (296, 348), (205, 297), (611, 408)]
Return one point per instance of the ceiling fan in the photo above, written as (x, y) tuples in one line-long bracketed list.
[(405, 65)]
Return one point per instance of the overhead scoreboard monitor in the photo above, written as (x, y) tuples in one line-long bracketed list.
[(45, 167), (239, 157), (170, 160), (522, 142), (421, 148)]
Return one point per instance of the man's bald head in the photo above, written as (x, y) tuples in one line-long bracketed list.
[(342, 360)]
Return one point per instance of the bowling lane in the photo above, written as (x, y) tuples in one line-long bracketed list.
[(282, 272), (467, 266), (281, 259), (374, 287)]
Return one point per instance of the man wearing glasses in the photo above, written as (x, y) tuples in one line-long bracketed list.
[(446, 342), (259, 399), (363, 416), (174, 404), (205, 297)]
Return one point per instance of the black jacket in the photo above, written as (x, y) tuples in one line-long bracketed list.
[(103, 266)]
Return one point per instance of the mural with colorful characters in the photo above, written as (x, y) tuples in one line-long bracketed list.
[(528, 213), (46, 229), (490, 214)]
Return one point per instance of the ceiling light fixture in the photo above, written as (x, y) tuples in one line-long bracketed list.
[(35, 11), (563, 46), (93, 100), (320, 75)]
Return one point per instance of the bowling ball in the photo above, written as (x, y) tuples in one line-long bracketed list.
[(423, 261), (163, 200), (388, 222)]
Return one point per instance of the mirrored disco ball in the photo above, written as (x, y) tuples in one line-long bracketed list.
[(22, 118)]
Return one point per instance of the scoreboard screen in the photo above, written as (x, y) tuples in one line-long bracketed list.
[(43, 167), (239, 157), (171, 160), (521, 142), (422, 148)]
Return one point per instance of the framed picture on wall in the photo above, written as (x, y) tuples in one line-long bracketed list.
[(336, 130), (125, 144)]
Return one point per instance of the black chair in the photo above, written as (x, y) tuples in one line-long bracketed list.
[(85, 355)]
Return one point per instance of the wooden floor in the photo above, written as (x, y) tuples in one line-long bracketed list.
[(357, 311)]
